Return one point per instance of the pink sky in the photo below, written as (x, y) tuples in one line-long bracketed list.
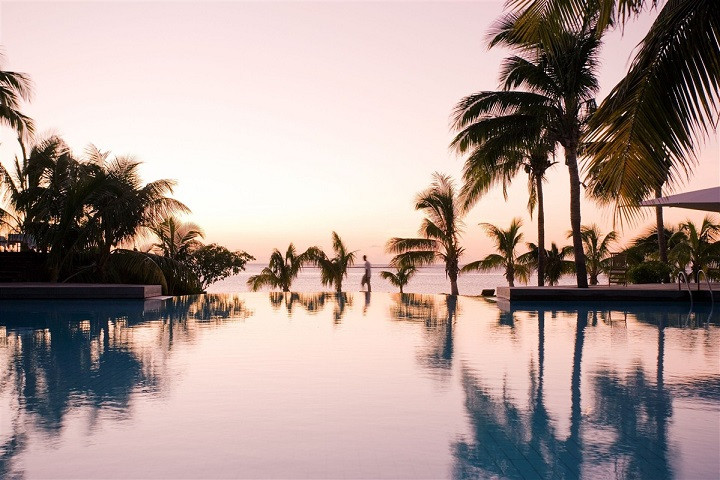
[(284, 121)]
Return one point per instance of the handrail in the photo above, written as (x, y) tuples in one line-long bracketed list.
[(712, 300), (681, 275)]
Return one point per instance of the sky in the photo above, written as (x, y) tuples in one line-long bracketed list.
[(284, 121)]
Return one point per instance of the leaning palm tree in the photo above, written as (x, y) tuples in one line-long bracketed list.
[(549, 84), (506, 242), (177, 239), (440, 231), (333, 270), (597, 249), (281, 272), (401, 276)]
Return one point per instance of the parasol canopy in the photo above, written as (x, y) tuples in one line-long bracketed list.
[(707, 199)]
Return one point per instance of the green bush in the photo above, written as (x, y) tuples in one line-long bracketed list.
[(649, 272)]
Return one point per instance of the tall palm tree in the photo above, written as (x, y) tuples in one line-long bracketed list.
[(550, 83), (499, 157), (597, 249), (14, 87), (177, 239), (333, 270), (668, 101), (440, 231), (281, 272), (506, 242), (401, 276), (698, 246)]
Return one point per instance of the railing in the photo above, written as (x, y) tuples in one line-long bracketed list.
[(683, 277), (712, 300)]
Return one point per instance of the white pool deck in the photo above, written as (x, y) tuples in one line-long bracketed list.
[(79, 291), (642, 293)]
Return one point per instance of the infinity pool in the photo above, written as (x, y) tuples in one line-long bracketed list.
[(355, 386)]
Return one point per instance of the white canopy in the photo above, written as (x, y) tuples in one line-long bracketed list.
[(707, 199)]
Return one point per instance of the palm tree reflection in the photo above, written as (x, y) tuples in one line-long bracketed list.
[(513, 441), (312, 302), (62, 356)]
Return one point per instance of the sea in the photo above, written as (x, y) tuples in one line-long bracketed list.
[(430, 280)]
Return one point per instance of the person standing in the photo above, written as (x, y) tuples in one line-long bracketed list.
[(366, 277)]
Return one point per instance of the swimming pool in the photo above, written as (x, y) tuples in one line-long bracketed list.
[(356, 386)]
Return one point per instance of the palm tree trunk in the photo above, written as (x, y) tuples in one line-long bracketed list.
[(541, 231), (662, 241), (453, 274), (580, 267)]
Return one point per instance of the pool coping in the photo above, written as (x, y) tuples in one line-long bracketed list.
[(76, 291), (642, 292)]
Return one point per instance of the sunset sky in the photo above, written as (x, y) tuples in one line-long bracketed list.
[(283, 121)]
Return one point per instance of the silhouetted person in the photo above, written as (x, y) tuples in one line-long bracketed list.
[(366, 277)]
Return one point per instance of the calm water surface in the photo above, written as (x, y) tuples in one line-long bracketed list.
[(354, 386)]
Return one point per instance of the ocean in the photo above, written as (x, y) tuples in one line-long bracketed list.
[(431, 280)]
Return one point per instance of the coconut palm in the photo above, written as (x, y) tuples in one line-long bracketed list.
[(557, 77), (401, 276), (498, 159), (698, 246), (333, 270), (281, 272), (121, 205), (557, 263), (506, 242), (597, 249), (177, 239), (440, 231), (14, 87)]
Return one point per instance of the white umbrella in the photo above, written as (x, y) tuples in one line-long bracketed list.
[(707, 199)]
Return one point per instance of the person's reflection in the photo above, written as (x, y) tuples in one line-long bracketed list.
[(367, 302)]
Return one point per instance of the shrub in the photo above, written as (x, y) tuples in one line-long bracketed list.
[(649, 272)]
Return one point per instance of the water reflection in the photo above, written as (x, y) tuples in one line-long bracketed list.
[(314, 303), (620, 430), (65, 355)]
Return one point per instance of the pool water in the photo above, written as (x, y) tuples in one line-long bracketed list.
[(261, 385)]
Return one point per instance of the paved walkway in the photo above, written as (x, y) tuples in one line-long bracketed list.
[(31, 291)]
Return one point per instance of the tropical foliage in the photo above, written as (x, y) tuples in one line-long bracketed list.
[(176, 239), (400, 277), (557, 263), (699, 246), (440, 231), (213, 262), (548, 97), (281, 272), (506, 242), (15, 87), (597, 249), (333, 270)]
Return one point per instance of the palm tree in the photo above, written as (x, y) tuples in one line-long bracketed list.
[(121, 205), (177, 239), (506, 242), (333, 270), (401, 276), (557, 77), (498, 159), (440, 231), (14, 87), (557, 264), (698, 246), (281, 272), (597, 249)]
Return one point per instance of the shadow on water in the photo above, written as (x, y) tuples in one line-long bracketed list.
[(62, 355)]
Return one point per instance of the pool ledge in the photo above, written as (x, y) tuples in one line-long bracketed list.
[(641, 293), (76, 291)]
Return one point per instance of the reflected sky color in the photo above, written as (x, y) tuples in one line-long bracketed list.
[(284, 121), (355, 385)]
